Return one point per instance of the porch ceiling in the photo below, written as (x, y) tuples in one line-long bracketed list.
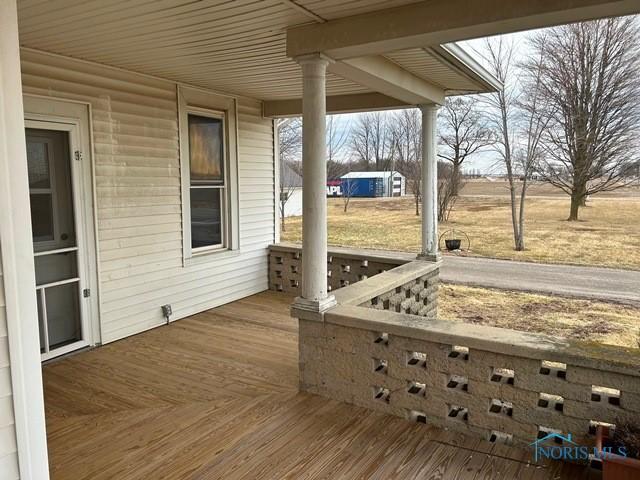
[(232, 46)]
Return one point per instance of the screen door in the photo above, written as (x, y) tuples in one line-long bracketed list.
[(57, 253)]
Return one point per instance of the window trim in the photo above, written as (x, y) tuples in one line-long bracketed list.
[(203, 103), (224, 195)]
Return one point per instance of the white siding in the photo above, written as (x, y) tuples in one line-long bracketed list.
[(137, 177), (8, 449)]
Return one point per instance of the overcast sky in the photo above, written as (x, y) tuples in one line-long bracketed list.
[(484, 161)]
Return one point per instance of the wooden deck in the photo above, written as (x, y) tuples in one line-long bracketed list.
[(215, 396)]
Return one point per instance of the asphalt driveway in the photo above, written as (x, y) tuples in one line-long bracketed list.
[(609, 284)]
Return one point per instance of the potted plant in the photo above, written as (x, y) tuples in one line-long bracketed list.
[(453, 240), (452, 244), (619, 450)]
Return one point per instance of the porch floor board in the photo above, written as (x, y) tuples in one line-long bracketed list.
[(214, 396)]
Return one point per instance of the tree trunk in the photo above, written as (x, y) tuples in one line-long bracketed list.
[(578, 197), (520, 235), (514, 213), (455, 178), (417, 205), (583, 201), (576, 200), (282, 217)]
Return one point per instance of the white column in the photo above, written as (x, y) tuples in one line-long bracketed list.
[(18, 274), (429, 183), (315, 295)]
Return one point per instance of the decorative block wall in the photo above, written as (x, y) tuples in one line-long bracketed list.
[(502, 385), (416, 297), (344, 267)]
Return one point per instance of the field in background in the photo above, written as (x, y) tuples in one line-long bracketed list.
[(607, 235), (596, 321), (501, 187)]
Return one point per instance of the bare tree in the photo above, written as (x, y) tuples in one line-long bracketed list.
[(337, 138), (347, 188), (463, 131), (289, 147), (589, 73), (535, 113), (503, 117), (371, 140), (449, 184), (520, 115), (406, 135)]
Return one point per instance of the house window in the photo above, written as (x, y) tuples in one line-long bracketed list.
[(209, 174), (208, 185)]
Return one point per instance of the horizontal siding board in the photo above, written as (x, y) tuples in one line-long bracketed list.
[(137, 241), (140, 251), (104, 119), (130, 272), (104, 145), (133, 191), (130, 328), (127, 212), (133, 201), (194, 305), (127, 170), (122, 288), (156, 141), (151, 301), (8, 447), (110, 234), (138, 191), (9, 465), (136, 182), (5, 382), (7, 440)]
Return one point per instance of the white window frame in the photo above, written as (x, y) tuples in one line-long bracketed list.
[(224, 200), (192, 101)]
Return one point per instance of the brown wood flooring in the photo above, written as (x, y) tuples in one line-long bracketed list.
[(214, 396)]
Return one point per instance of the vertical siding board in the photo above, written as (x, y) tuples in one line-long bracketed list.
[(136, 155)]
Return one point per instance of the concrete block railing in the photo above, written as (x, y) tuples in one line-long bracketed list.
[(346, 266), (376, 279), (382, 348), (503, 385)]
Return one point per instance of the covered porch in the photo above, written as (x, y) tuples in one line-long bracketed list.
[(244, 390), (216, 396)]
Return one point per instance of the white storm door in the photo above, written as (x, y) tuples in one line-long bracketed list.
[(58, 238)]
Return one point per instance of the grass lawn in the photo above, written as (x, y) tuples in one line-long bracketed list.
[(607, 235), (600, 322)]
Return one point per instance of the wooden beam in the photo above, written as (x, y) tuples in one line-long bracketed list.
[(360, 102), (436, 22), (386, 77)]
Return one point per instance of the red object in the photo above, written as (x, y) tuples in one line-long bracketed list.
[(615, 467)]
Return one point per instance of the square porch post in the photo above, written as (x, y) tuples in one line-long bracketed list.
[(315, 296), (17, 271), (429, 249)]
